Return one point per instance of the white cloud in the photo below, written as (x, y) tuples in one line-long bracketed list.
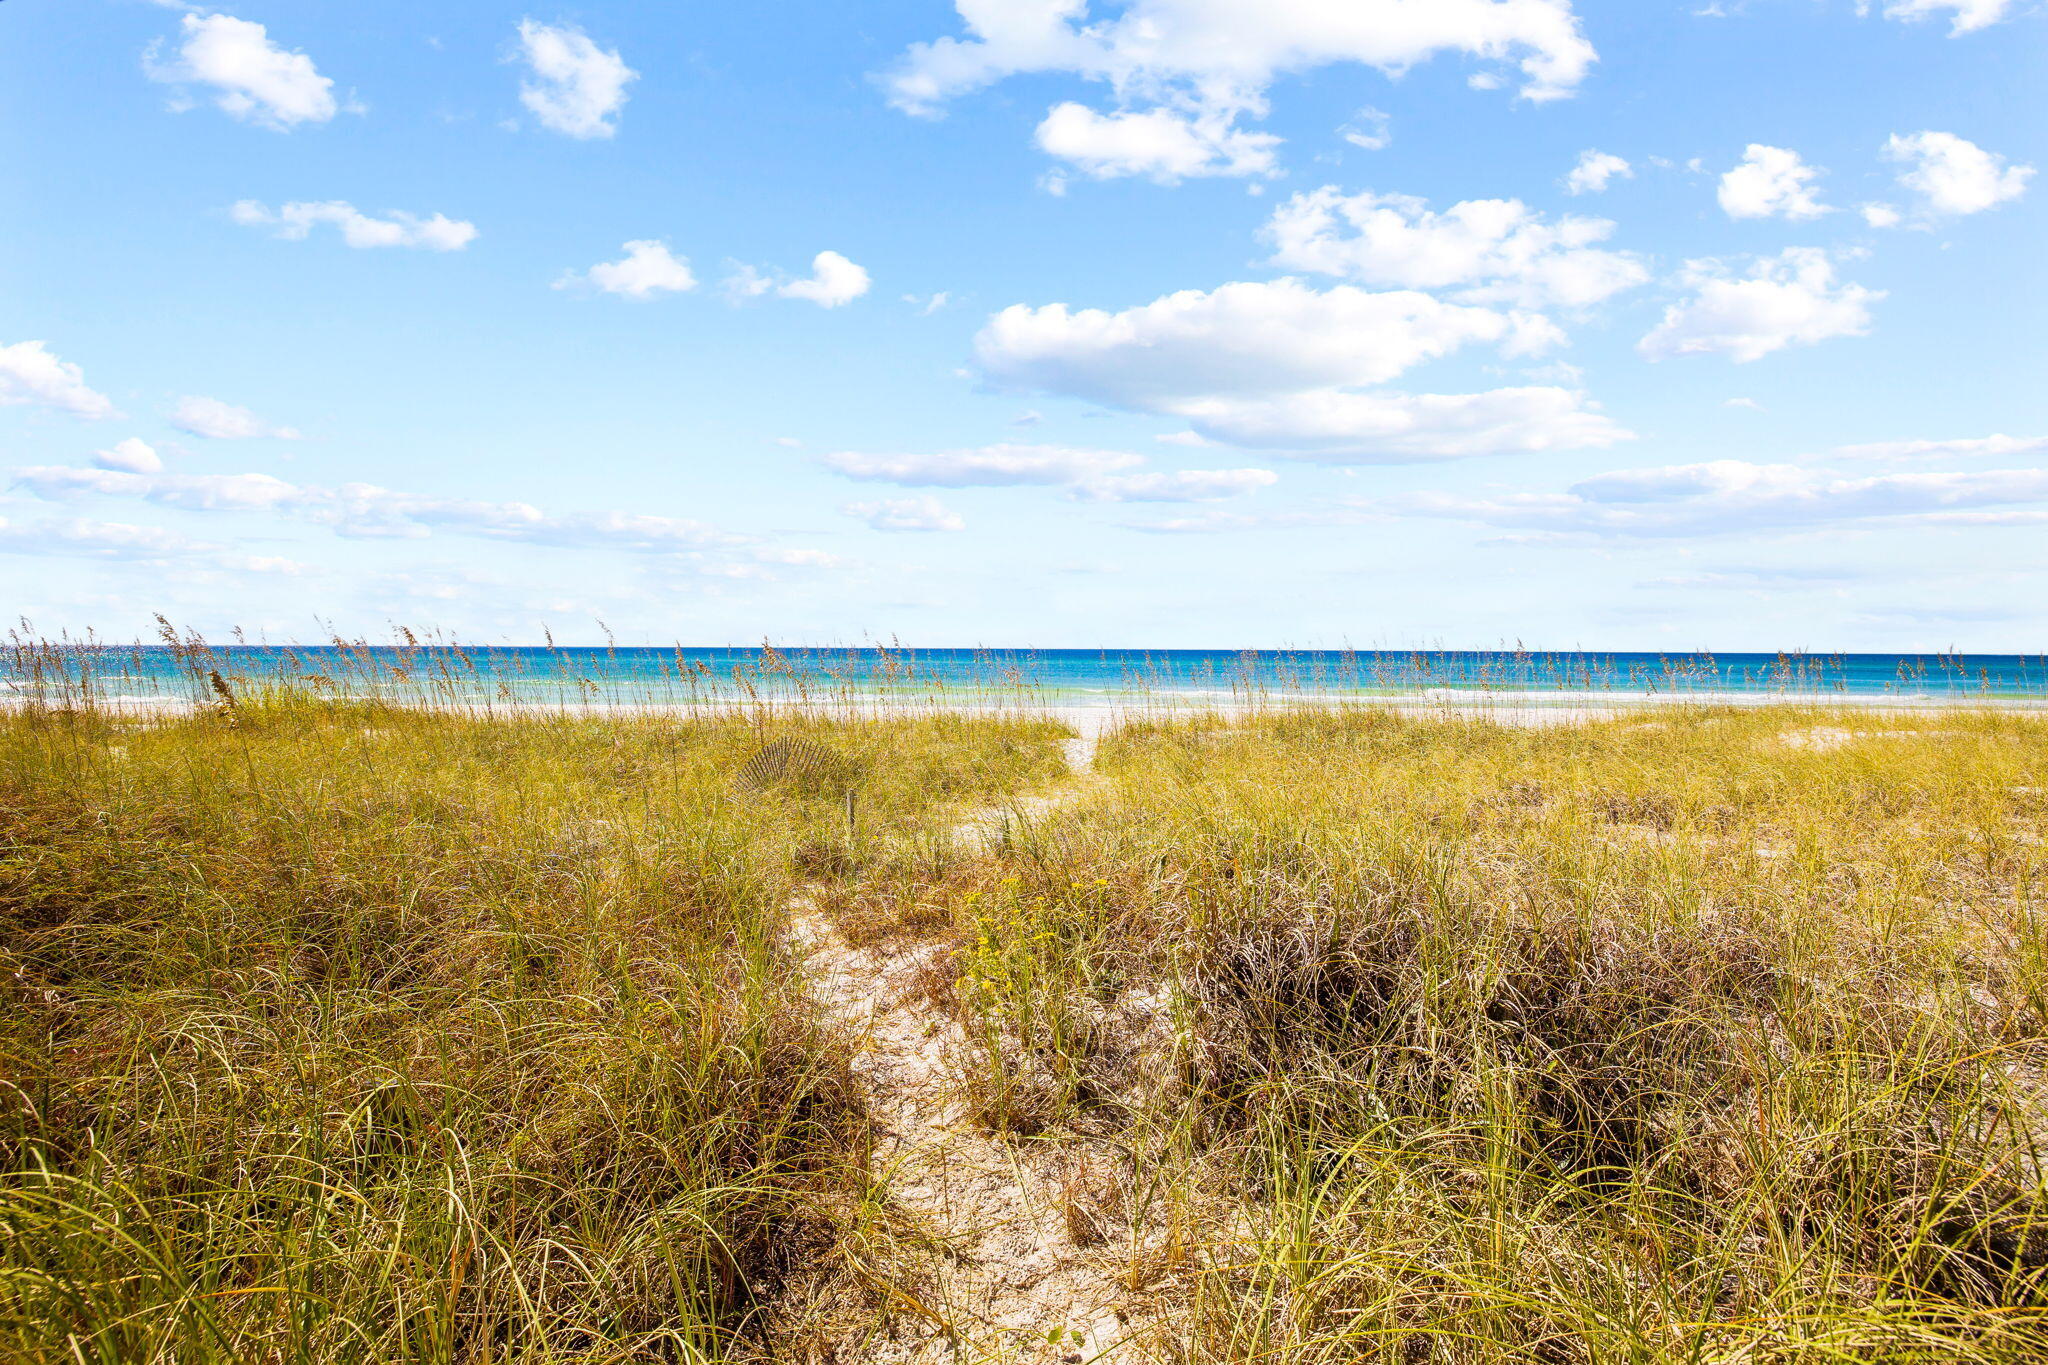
[(577, 88), (1160, 144), (983, 467), (130, 456), (193, 492), (1369, 128), (906, 514), (1595, 171), (29, 373), (834, 280), (79, 537), (1734, 496), (1880, 215), (928, 305), (1961, 449), (744, 282), (1492, 250), (1245, 340), (637, 532), (1968, 15), (366, 511), (296, 220), (1758, 579), (1771, 182), (1342, 427), (1226, 54), (1087, 475), (1183, 485), (1210, 522), (1791, 299), (1184, 71), (1283, 367), (648, 268), (211, 418), (1749, 403), (252, 78), (1953, 175)]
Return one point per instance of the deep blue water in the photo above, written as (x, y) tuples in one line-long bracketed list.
[(1062, 676)]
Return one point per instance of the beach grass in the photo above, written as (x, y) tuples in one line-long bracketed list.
[(346, 1031)]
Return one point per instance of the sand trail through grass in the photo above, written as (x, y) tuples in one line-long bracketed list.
[(1009, 1274)]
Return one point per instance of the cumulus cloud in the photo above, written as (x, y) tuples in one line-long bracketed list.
[(1163, 145), (834, 280), (1284, 367), (576, 88), (30, 374), (923, 513), (1489, 250), (1348, 427), (1960, 449), (296, 220), (218, 421), (1230, 53), (1732, 496), (1953, 176), (251, 77), (1595, 171), (1183, 72), (1791, 299), (131, 456), (1880, 215), (992, 466), (648, 268), (1247, 340), (1771, 182), (1966, 16)]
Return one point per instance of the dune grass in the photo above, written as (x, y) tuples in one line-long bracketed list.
[(339, 1032), (1702, 1035), (357, 1033)]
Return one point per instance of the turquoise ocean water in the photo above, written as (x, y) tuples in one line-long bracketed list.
[(1051, 677)]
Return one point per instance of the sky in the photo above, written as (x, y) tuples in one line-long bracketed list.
[(1608, 324)]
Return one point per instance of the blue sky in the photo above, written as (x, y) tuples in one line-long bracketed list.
[(1030, 322)]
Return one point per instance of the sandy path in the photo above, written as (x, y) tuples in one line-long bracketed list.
[(1007, 1276)]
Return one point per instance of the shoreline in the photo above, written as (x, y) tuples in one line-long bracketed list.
[(1093, 719)]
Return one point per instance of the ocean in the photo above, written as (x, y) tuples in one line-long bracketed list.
[(550, 675)]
